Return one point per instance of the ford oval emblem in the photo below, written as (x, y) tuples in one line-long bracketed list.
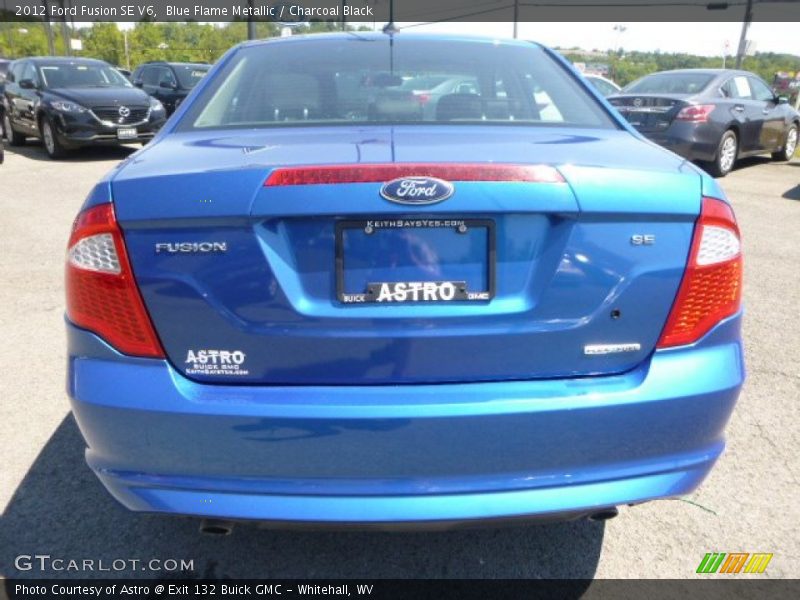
[(417, 190)]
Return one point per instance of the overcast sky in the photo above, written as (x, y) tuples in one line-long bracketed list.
[(707, 39)]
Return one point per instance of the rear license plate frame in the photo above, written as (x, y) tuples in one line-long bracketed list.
[(356, 299)]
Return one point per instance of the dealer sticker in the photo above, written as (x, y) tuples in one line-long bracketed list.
[(216, 362)]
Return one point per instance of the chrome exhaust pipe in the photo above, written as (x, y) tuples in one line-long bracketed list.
[(217, 527), (605, 514)]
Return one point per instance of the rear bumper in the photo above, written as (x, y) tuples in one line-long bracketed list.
[(690, 140), (401, 454)]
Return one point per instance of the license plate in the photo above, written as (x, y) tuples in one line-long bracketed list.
[(417, 291), (415, 260), (127, 133)]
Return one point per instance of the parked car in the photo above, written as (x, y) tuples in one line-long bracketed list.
[(603, 85), (294, 306), (711, 115), (4, 63), (428, 90), (73, 102), (170, 82)]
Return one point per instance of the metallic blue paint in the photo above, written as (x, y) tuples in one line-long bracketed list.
[(271, 296), (499, 412), (161, 442)]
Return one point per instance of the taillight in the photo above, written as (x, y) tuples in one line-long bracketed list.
[(423, 98), (101, 292), (369, 173), (695, 113), (711, 289)]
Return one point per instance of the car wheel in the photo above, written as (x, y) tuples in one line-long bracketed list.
[(50, 139), (789, 146), (14, 138), (727, 151)]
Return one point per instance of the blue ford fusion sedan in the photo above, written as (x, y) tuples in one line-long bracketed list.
[(322, 296)]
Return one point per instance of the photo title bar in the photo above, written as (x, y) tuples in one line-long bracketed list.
[(399, 11)]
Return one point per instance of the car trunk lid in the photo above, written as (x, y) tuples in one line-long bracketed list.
[(245, 287), (648, 112)]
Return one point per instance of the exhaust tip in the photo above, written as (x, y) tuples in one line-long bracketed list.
[(216, 527), (605, 514)]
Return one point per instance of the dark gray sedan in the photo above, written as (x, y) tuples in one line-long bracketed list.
[(714, 116)]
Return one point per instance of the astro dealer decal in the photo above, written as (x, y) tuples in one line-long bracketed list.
[(216, 362)]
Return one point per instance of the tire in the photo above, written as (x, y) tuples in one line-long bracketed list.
[(727, 151), (786, 153), (50, 141), (14, 138)]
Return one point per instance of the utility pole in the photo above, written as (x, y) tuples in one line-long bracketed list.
[(748, 17), (127, 50), (65, 35), (51, 47), (516, 17), (391, 28), (251, 23)]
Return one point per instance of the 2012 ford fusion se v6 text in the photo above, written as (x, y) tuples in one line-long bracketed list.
[(316, 298)]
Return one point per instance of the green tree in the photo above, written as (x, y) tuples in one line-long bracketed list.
[(104, 41)]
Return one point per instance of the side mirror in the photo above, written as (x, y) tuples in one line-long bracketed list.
[(139, 83), (27, 84), (781, 100), (168, 85)]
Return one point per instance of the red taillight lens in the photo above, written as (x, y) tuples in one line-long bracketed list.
[(101, 292), (423, 98), (370, 173), (711, 289), (696, 113)]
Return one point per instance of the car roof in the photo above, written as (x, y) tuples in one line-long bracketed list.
[(379, 36), (713, 72), (179, 63), (596, 76), (64, 59)]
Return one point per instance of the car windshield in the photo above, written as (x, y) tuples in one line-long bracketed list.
[(72, 75), (670, 83), (367, 80), (189, 75)]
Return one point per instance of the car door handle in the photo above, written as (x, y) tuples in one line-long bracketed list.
[(766, 111), (738, 108)]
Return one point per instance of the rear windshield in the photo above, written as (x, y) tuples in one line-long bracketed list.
[(360, 80), (189, 75), (670, 83), (67, 75)]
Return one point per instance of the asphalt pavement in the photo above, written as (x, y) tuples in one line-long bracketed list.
[(53, 505)]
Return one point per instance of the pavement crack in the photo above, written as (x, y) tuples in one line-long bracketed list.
[(697, 504)]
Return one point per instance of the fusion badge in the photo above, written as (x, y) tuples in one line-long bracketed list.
[(191, 247)]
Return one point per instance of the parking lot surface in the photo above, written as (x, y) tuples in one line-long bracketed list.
[(52, 504)]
